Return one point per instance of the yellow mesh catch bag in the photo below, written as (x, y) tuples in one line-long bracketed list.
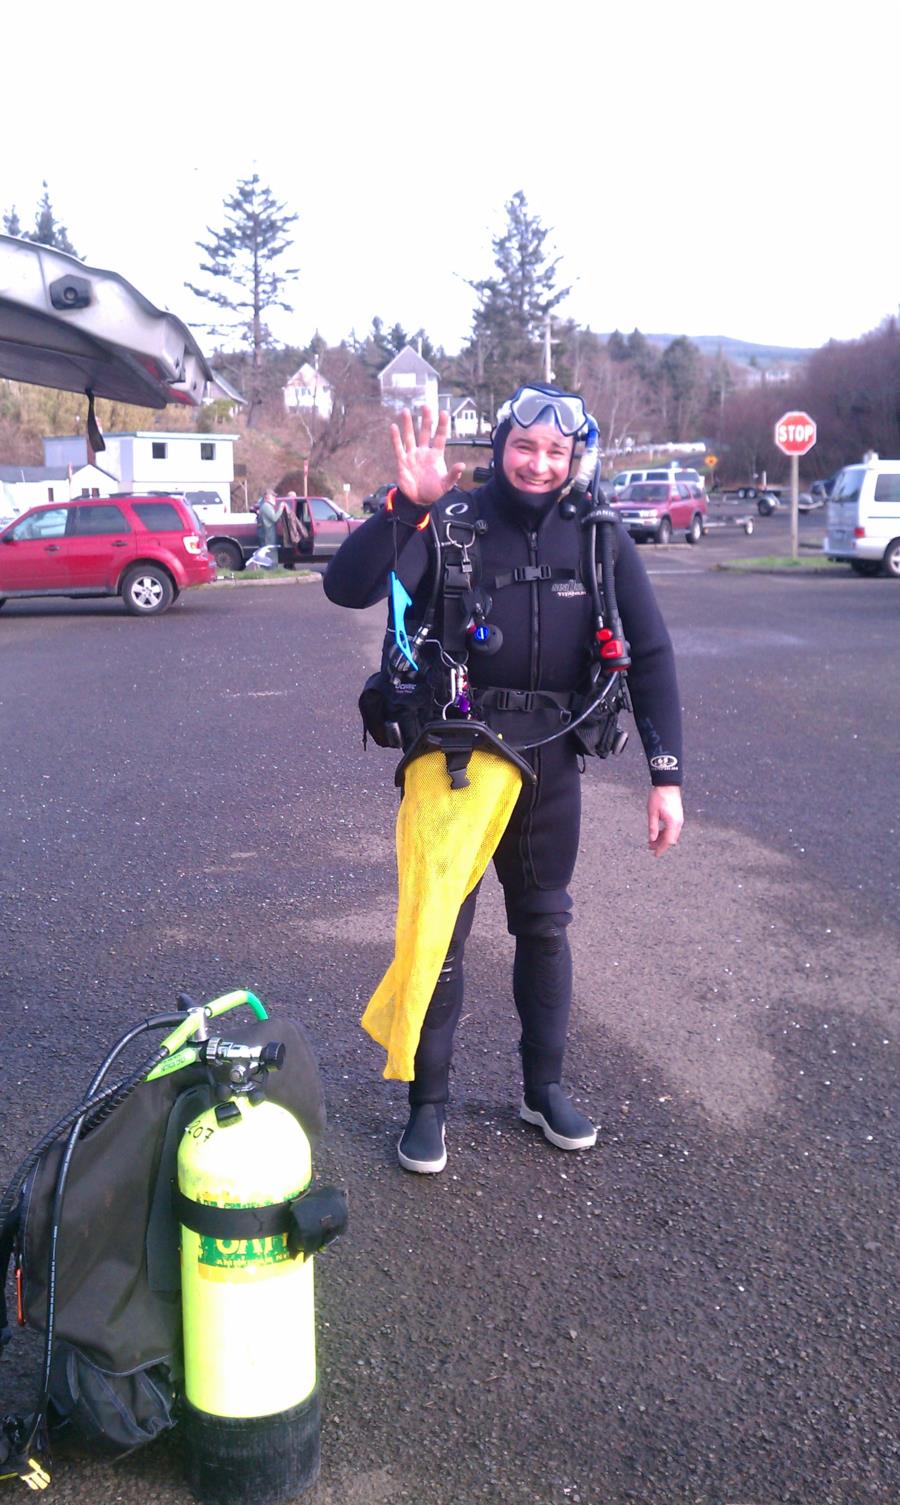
[(445, 840)]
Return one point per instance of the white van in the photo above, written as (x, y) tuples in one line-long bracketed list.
[(658, 473), (864, 517)]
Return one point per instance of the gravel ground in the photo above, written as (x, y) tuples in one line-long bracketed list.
[(698, 1312)]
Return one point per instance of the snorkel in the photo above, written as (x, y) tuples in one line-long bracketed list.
[(587, 465)]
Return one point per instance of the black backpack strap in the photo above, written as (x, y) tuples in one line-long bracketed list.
[(457, 525), (525, 573), (7, 1243), (162, 1249), (24, 1450), (530, 700), (24, 1446)]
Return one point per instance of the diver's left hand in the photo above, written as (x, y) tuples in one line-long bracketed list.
[(665, 818)]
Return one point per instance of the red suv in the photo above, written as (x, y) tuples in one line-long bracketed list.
[(144, 549), (654, 509)]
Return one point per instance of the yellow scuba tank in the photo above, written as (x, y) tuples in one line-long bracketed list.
[(249, 1229)]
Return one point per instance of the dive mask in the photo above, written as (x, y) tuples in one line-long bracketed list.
[(529, 405)]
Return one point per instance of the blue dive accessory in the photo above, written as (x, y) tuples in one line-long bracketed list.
[(590, 459), (401, 601), (530, 404)]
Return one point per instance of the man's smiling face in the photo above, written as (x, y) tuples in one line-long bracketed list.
[(537, 459)]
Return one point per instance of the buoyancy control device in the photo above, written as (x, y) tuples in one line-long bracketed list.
[(137, 1338), (424, 677)]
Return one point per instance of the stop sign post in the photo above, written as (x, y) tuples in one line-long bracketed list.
[(795, 435)]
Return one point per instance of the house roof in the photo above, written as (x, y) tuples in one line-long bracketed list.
[(407, 360), (13, 473), (152, 434), (307, 376), (224, 386), (453, 404)]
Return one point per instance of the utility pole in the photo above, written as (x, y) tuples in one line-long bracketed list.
[(548, 343)]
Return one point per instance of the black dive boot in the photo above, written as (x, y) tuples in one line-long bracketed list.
[(548, 1107), (421, 1145)]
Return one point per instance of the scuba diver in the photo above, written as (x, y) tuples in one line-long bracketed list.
[(496, 609)]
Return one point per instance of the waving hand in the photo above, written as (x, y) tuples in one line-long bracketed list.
[(422, 473)]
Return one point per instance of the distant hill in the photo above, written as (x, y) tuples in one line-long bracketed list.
[(742, 352)]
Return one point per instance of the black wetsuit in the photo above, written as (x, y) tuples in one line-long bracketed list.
[(546, 626)]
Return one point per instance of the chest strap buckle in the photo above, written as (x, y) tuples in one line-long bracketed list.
[(514, 700)]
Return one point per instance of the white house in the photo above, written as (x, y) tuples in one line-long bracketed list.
[(309, 391), (408, 381), (464, 421), (24, 486), (220, 389), (152, 460)]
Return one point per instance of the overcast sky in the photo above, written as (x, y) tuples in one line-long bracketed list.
[(704, 168)]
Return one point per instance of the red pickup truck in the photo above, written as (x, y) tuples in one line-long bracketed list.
[(232, 536)]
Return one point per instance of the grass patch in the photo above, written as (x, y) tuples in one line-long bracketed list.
[(807, 563)]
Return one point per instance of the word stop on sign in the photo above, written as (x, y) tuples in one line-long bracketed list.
[(795, 433)]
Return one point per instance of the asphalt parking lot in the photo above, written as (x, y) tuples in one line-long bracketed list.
[(698, 1312)]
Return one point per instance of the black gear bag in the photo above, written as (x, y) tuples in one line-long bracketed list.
[(109, 1252)]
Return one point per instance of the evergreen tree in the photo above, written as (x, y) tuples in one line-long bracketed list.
[(641, 352), (681, 377), (376, 349), (241, 259), (398, 339), (379, 340), (380, 347), (428, 351), (47, 229), (508, 324), (617, 347)]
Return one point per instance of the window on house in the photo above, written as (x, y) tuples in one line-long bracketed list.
[(50, 496), (404, 379), (207, 451), (158, 449)]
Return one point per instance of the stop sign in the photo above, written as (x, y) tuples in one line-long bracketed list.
[(795, 433)]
